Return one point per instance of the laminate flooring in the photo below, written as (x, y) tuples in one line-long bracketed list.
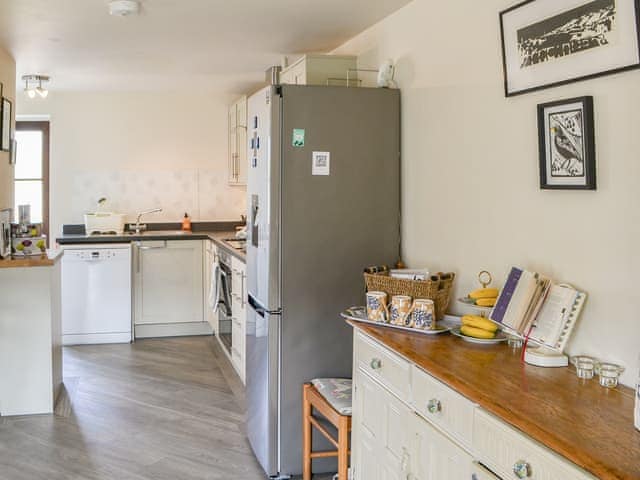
[(161, 409)]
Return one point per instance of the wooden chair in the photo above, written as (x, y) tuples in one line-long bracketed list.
[(332, 400)]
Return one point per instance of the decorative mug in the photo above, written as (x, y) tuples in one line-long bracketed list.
[(399, 310), (377, 310), (423, 314)]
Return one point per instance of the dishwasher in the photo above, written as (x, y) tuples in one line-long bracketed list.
[(96, 294)]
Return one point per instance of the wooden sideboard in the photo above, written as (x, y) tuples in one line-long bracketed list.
[(435, 408)]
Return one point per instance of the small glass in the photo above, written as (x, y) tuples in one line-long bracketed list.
[(609, 374), (514, 341), (585, 366)]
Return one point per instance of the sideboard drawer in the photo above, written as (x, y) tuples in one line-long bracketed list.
[(383, 365), (505, 450), (442, 406)]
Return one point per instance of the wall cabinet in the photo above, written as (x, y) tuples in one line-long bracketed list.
[(238, 166), (168, 288), (424, 430), (321, 70)]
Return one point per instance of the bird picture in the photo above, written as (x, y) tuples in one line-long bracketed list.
[(567, 159)]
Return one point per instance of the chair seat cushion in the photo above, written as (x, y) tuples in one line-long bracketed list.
[(337, 391)]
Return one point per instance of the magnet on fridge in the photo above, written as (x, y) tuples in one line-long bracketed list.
[(254, 162), (255, 121)]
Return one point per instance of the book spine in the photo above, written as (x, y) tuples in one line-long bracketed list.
[(505, 297)]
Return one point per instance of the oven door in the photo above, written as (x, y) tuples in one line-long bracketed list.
[(225, 322)]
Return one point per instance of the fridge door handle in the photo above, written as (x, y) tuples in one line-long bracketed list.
[(256, 307)]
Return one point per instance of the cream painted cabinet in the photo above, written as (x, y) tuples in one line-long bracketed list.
[(321, 70), (238, 316), (168, 288), (381, 426), (238, 166), (408, 425), (210, 253)]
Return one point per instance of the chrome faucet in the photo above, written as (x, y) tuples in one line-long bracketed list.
[(138, 227)]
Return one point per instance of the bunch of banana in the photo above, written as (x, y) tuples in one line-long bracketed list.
[(478, 327), (484, 297)]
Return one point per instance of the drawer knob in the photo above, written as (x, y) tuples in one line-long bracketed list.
[(522, 469), (434, 405), (375, 364)]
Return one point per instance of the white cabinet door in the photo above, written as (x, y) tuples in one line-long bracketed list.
[(239, 315), (210, 253), (168, 282), (435, 457), (238, 166), (382, 444)]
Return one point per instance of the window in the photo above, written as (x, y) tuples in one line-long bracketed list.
[(32, 171)]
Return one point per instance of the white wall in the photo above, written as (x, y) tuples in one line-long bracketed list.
[(8, 80), (470, 197), (140, 150)]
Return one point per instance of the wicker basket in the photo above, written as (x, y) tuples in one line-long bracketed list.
[(436, 289)]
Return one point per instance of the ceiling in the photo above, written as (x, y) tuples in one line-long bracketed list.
[(175, 44)]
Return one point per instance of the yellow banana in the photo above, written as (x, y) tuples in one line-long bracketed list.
[(484, 293), (479, 322), (476, 332), (486, 302)]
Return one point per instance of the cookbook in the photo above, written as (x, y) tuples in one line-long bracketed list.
[(535, 307)]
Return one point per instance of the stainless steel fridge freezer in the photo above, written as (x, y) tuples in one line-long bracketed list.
[(324, 203)]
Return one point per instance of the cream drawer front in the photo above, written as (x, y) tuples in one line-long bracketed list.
[(442, 406), (383, 365), (504, 450)]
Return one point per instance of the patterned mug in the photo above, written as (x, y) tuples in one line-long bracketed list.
[(423, 313), (399, 310), (377, 310)]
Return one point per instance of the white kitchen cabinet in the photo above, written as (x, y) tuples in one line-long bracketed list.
[(210, 253), (238, 316), (408, 425), (321, 70), (434, 456), (238, 166), (168, 288)]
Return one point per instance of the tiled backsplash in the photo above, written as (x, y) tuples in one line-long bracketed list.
[(204, 194)]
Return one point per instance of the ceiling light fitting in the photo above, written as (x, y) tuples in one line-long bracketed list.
[(123, 8), (33, 85)]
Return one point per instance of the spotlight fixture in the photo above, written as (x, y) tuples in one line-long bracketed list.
[(123, 8), (33, 85)]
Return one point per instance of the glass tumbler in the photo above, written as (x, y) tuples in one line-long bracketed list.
[(609, 374), (585, 366)]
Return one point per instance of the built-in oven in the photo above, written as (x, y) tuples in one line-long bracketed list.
[(225, 321)]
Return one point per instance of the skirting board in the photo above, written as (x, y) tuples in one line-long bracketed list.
[(96, 338), (172, 330)]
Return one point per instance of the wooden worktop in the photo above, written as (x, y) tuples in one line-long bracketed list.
[(47, 259), (590, 425)]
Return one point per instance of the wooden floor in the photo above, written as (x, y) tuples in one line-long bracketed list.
[(158, 409)]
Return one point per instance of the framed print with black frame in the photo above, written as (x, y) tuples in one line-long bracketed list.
[(567, 144), (546, 43), (5, 125)]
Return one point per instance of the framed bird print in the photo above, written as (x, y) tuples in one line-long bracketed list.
[(567, 144)]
